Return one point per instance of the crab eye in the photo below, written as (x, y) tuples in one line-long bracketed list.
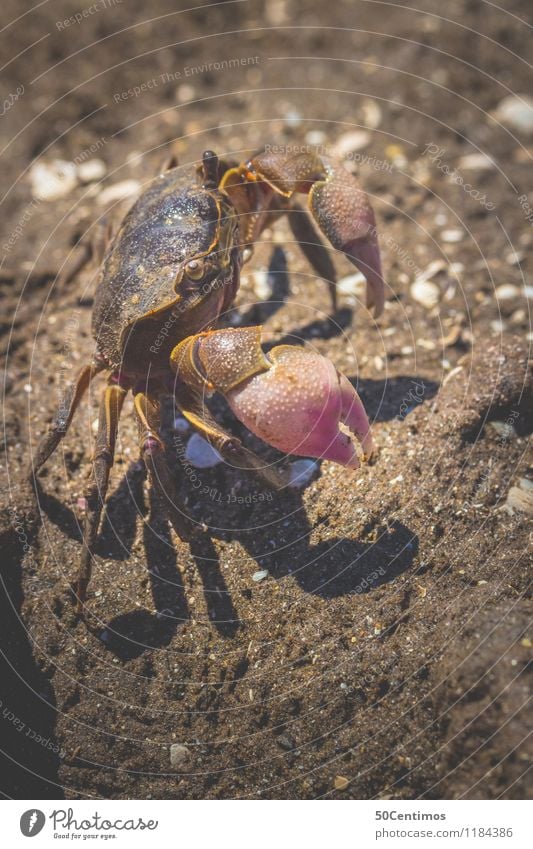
[(195, 269)]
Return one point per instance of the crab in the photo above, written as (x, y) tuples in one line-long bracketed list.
[(168, 275)]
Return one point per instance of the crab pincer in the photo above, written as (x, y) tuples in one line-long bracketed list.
[(292, 398)]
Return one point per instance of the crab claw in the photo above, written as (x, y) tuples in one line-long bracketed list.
[(292, 398), (337, 203), (344, 214), (298, 404)]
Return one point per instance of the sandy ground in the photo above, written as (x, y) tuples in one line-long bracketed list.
[(385, 653)]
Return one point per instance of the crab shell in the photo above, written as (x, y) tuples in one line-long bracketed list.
[(145, 301)]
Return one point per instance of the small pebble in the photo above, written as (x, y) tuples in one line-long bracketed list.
[(53, 180), (506, 292), (341, 782), (261, 284), (517, 112), (432, 269), (179, 756), (528, 291), (514, 257), (396, 155), (185, 93), (476, 162), (301, 472), (276, 12), (354, 286), (426, 344), (371, 113), (351, 142), (452, 236), (504, 429), (286, 742), (426, 293), (119, 191), (91, 171), (200, 453), (315, 137), (260, 575), (521, 497), (293, 119)]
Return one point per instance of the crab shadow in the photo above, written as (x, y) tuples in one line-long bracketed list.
[(279, 283), (331, 568), (394, 397), (131, 634), (339, 567)]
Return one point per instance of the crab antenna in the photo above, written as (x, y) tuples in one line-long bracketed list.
[(209, 169)]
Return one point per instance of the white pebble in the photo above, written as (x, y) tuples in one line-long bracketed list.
[(517, 112), (425, 293), (315, 137), (179, 756), (119, 191), (514, 257), (351, 142), (354, 286), (92, 171), (521, 497), (476, 162), (452, 235), (293, 118), (434, 267), (371, 113), (528, 291), (261, 284), (260, 575), (301, 472), (200, 453), (50, 181), (503, 429), (507, 292), (185, 92)]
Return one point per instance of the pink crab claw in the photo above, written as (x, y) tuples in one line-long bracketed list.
[(298, 404)]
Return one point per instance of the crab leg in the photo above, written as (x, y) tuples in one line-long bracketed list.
[(336, 202), (293, 399), (154, 455), (68, 406), (104, 455)]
